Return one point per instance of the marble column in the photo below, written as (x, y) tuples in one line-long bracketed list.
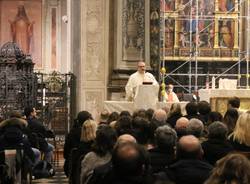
[(94, 65)]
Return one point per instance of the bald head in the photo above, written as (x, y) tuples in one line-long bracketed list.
[(141, 67), (125, 138), (160, 115), (181, 123), (189, 147)]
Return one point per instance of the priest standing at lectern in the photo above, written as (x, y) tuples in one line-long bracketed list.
[(138, 78)]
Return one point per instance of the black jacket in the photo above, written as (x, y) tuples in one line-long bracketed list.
[(215, 149), (190, 171)]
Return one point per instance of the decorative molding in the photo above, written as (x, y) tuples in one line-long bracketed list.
[(132, 37)]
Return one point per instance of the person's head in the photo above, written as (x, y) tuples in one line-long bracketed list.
[(181, 126), (30, 112), (204, 108), (104, 117), (141, 130), (140, 113), (124, 125), (242, 129), (88, 132), (195, 127), (125, 138), (192, 108), (234, 103), (15, 114), (231, 169), (150, 113), (214, 116), (113, 117), (105, 140), (82, 116), (125, 113), (189, 147), (165, 138), (160, 115), (129, 159), (170, 88), (175, 109), (230, 118), (141, 67), (217, 130)]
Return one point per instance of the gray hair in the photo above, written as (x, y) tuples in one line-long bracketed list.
[(195, 127), (217, 130), (165, 138)]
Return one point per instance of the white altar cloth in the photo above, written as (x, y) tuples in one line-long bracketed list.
[(119, 106), (206, 94)]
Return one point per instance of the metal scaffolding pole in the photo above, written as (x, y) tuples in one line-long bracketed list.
[(190, 46), (248, 42)]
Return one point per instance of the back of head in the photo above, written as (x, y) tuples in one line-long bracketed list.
[(232, 169), (105, 140), (88, 132), (141, 130), (214, 116), (217, 130), (149, 113), (129, 159), (204, 108), (160, 115), (181, 126), (125, 113), (125, 138), (192, 108), (28, 111), (242, 129), (189, 147), (124, 125), (82, 116), (165, 138), (195, 127), (175, 109), (230, 118), (234, 102), (113, 117)]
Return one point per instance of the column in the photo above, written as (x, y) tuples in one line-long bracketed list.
[(216, 30)]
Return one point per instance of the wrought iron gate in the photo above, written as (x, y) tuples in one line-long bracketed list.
[(55, 100)]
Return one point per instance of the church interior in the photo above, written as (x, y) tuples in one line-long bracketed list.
[(66, 57)]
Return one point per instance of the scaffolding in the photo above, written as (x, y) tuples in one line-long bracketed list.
[(239, 15)]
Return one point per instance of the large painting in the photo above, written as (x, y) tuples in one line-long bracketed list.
[(21, 22), (205, 24)]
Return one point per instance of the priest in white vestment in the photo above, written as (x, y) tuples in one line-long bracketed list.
[(137, 79)]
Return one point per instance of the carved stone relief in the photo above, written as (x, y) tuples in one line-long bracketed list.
[(133, 30), (92, 102), (95, 40)]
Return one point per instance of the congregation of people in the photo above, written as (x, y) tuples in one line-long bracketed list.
[(160, 146)]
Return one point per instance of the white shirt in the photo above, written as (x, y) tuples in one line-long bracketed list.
[(135, 80)]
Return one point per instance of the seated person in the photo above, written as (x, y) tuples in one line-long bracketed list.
[(137, 79), (170, 95)]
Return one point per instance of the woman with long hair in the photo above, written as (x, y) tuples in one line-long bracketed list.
[(174, 114), (240, 137), (231, 169)]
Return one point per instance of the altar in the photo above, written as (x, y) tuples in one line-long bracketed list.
[(119, 106), (218, 98)]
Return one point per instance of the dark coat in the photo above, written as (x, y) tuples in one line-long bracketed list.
[(215, 149), (159, 159), (190, 171), (173, 118), (238, 146)]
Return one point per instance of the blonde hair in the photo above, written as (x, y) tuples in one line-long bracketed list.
[(242, 128), (88, 132), (175, 108)]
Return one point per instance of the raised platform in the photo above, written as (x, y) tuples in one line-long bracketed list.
[(119, 106)]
